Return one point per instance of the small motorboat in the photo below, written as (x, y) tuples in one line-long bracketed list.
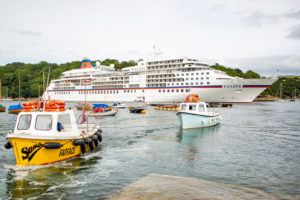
[(194, 114), (103, 113), (46, 133), (2, 108), (15, 109), (102, 105), (102, 110), (119, 105), (168, 108), (137, 110), (80, 106)]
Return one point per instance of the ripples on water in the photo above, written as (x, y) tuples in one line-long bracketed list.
[(257, 145)]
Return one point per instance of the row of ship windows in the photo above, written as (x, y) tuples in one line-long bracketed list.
[(196, 83), (177, 90), (99, 92), (165, 61), (124, 91), (196, 78), (192, 74)]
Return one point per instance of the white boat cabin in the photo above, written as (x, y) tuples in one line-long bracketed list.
[(47, 124), (193, 107)]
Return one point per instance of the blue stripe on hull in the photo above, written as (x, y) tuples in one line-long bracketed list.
[(196, 121)]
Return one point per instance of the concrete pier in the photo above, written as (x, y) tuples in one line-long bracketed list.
[(165, 187)]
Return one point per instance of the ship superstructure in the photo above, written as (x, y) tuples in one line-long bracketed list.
[(154, 81)]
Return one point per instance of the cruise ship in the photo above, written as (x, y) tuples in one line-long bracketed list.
[(154, 81)]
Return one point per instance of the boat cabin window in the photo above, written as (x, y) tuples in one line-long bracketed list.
[(192, 107), (64, 119), (201, 108), (24, 122), (43, 122), (183, 107)]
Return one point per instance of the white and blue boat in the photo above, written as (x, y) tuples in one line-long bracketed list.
[(196, 115)]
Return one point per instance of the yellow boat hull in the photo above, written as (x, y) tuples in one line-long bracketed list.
[(33, 151)]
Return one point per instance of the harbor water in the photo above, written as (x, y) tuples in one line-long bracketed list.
[(256, 145)]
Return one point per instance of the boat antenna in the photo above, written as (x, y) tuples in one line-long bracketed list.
[(48, 77), (48, 81), (87, 118), (19, 89), (0, 91), (44, 90)]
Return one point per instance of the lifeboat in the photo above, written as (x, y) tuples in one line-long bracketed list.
[(46, 132), (192, 98), (167, 108)]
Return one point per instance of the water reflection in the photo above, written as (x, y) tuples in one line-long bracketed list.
[(195, 140), (197, 135), (52, 180)]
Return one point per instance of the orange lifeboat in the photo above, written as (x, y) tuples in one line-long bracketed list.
[(48, 106), (192, 98)]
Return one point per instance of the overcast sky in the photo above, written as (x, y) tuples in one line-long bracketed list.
[(260, 35)]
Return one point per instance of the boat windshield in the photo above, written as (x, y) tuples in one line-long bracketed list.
[(192, 107), (24, 122), (201, 108), (183, 107), (65, 120), (43, 122)]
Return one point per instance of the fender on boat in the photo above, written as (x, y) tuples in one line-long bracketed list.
[(95, 139), (78, 142), (89, 141), (8, 145), (99, 137), (99, 130), (52, 145)]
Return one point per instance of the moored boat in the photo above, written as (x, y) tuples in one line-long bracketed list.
[(168, 108), (2, 108), (102, 105), (103, 113), (15, 109), (194, 114), (47, 133), (80, 106), (137, 110), (119, 105)]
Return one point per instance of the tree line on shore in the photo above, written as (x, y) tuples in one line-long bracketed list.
[(31, 77)]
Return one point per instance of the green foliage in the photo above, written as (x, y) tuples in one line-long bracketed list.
[(117, 64), (290, 87), (236, 72), (31, 75)]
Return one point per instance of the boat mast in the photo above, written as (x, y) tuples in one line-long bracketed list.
[(48, 82), (0, 91), (19, 89), (281, 90)]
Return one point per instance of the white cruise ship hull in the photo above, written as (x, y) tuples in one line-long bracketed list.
[(227, 91)]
